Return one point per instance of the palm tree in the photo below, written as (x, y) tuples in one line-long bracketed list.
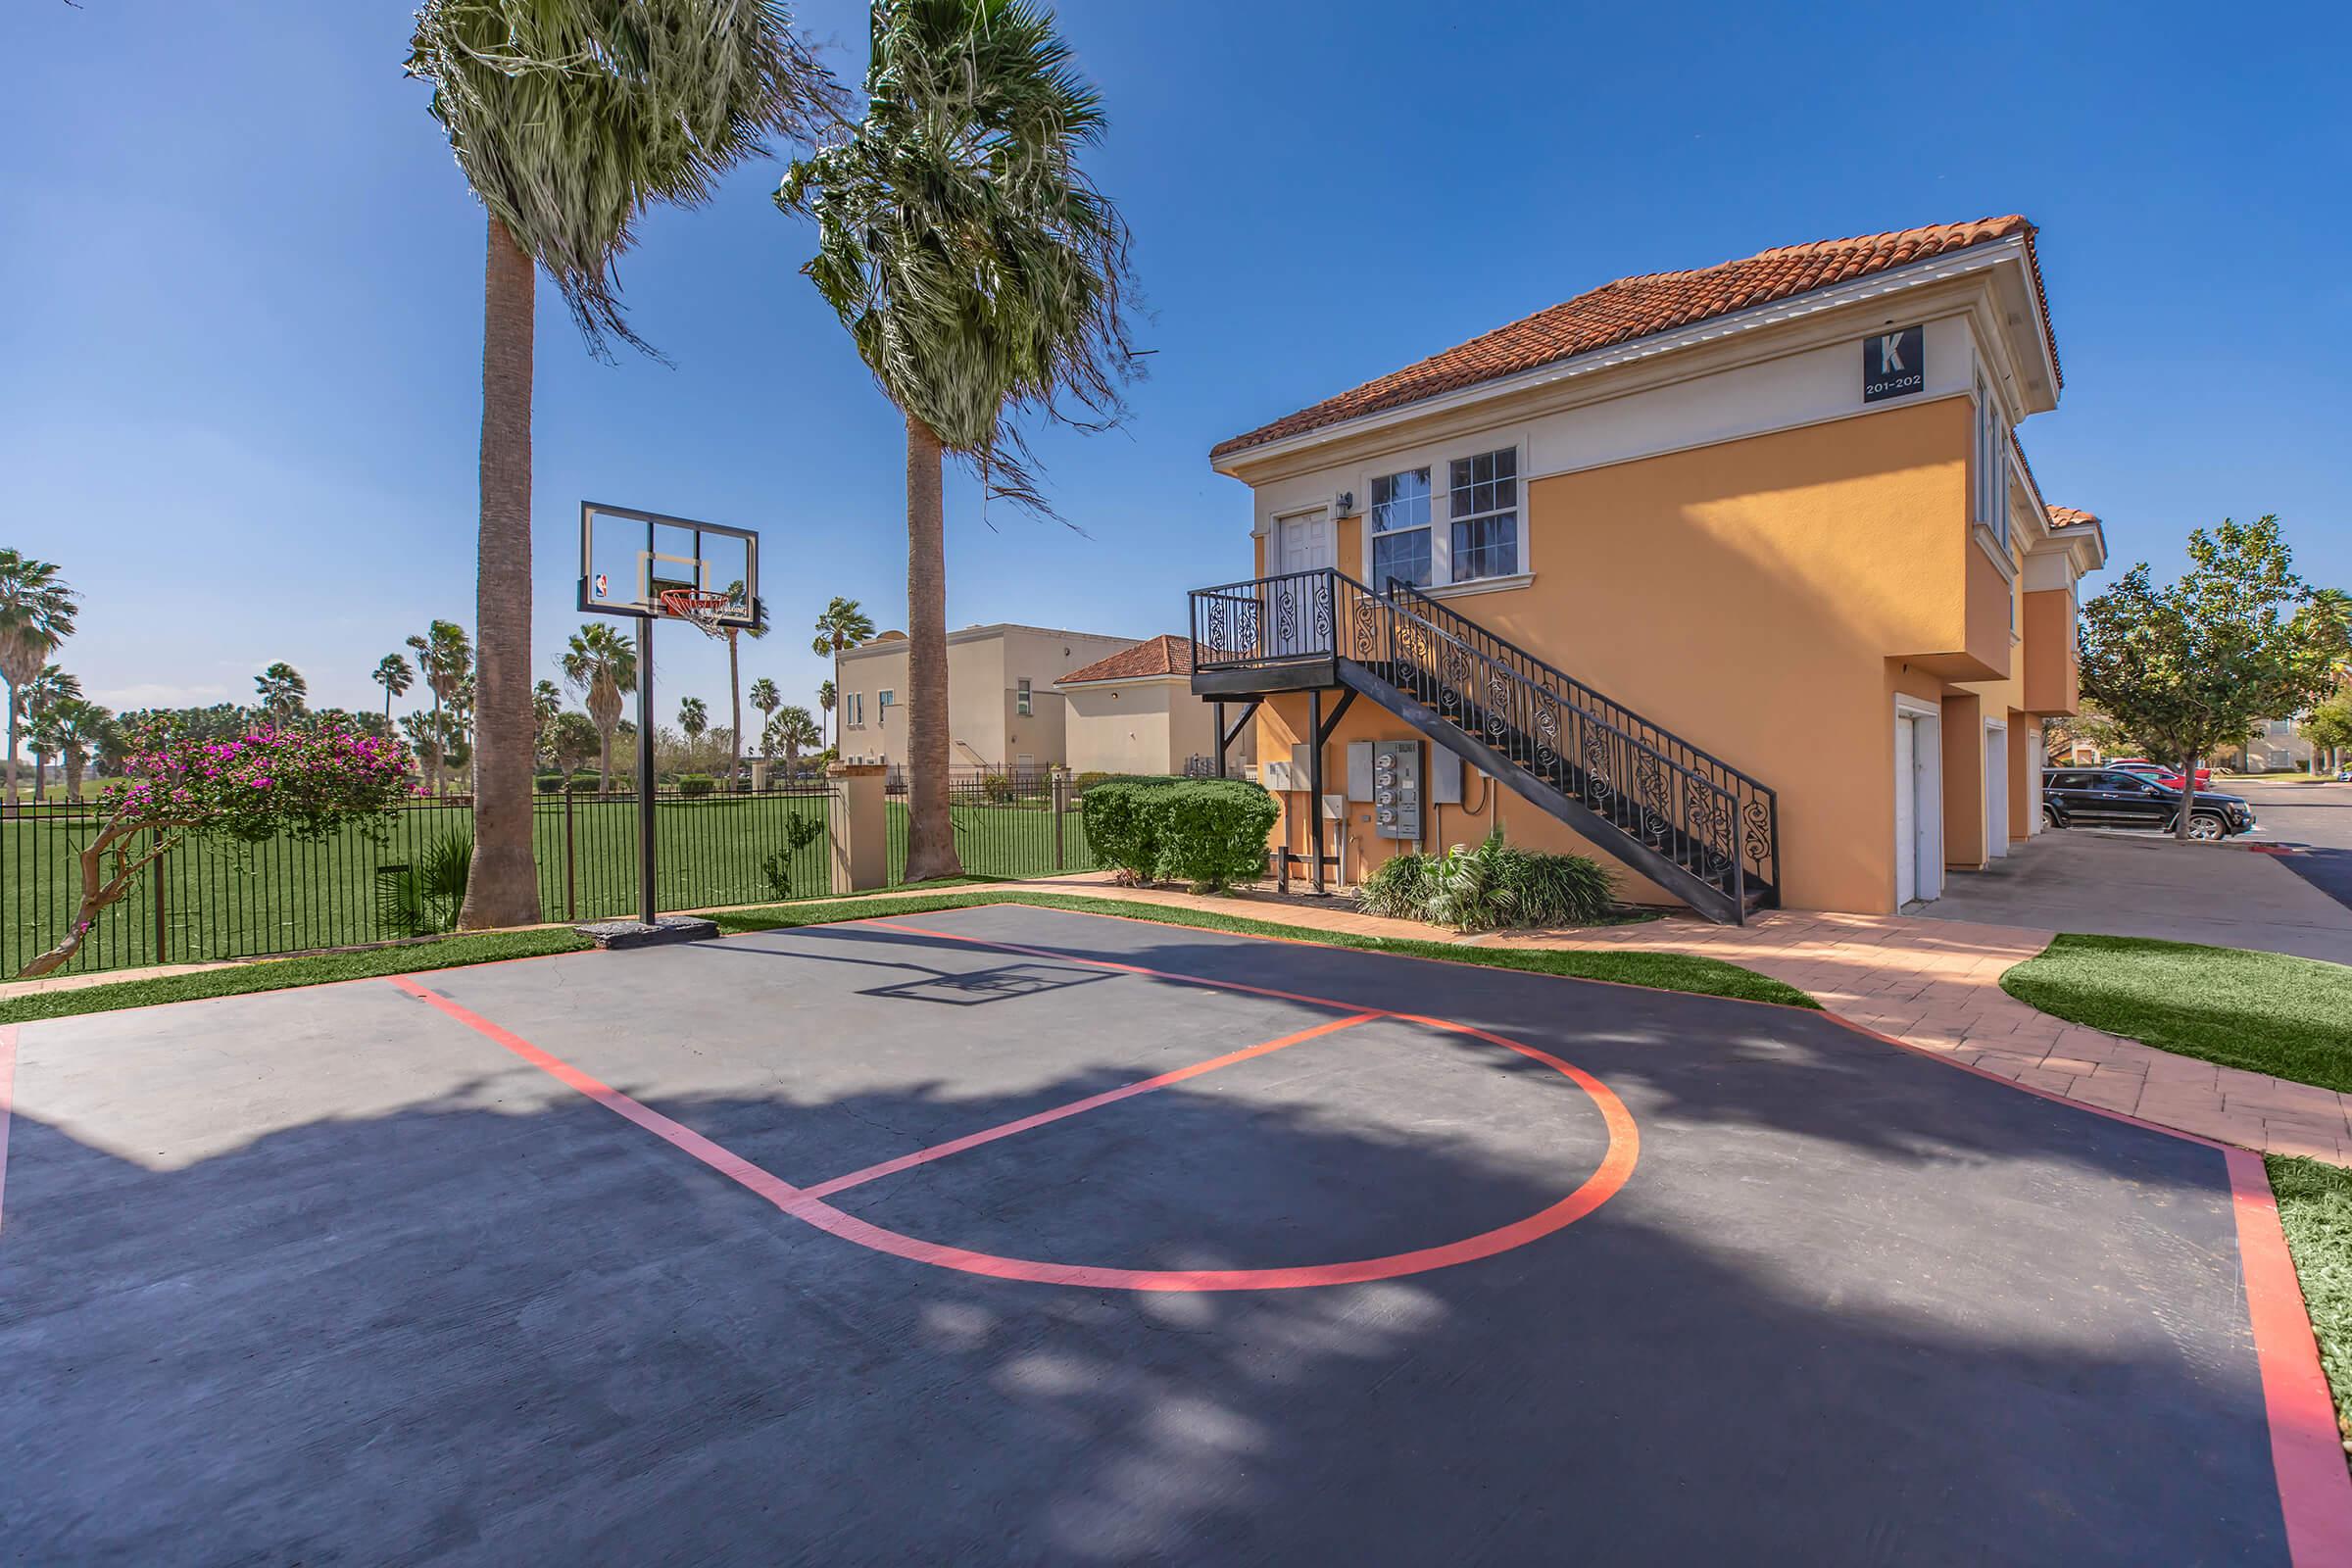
[(825, 699), (766, 699), (393, 674), (281, 690), (569, 118), (43, 692), (547, 701), (982, 277), (78, 728), (793, 729), (443, 658), (37, 613), (692, 717), (601, 664), (842, 626)]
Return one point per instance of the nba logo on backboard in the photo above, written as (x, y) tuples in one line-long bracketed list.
[(600, 587)]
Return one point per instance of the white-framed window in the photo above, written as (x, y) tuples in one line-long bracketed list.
[(1021, 697), (1484, 509), (854, 704), (1400, 529), (1993, 465), (882, 701)]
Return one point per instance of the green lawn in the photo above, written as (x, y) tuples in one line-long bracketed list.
[(2263, 1011), (1662, 971), (2315, 1208), (289, 898)]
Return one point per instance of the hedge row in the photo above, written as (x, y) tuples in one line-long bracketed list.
[(1208, 833)]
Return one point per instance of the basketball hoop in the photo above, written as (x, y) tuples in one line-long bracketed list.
[(702, 608)]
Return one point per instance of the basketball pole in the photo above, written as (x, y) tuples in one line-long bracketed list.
[(645, 772)]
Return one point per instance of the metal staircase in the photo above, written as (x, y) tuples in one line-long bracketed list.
[(1688, 820)]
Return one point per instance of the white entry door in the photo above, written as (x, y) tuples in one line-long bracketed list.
[(1298, 610), (1918, 805), (1996, 789)]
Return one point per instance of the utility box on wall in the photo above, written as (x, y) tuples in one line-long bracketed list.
[(1396, 794)]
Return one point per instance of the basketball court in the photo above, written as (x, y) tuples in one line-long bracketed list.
[(1008, 1233)]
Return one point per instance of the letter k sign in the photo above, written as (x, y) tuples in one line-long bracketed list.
[(1890, 354)]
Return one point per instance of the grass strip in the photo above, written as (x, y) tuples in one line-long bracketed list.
[(2263, 1011), (281, 974), (2314, 1209), (1659, 971)]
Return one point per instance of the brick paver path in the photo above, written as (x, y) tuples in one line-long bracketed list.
[(1932, 984)]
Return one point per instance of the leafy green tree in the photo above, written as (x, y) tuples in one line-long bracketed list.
[(692, 717), (547, 701), (2188, 670), (37, 613), (795, 731), (569, 118), (600, 665), (281, 690), (393, 674), (2329, 727), (982, 277), (571, 740), (42, 692)]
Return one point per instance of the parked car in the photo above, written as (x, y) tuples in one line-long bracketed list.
[(2169, 776), (2119, 797)]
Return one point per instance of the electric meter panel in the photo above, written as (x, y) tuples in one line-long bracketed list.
[(1397, 793)]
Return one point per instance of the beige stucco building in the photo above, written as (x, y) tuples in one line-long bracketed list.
[(1135, 712), (1736, 578), (1003, 708)]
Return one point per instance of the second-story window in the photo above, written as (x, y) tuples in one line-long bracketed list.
[(1020, 697), (1993, 465), (882, 701), (1485, 514), (1400, 528)]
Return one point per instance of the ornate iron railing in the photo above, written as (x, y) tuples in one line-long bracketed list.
[(1716, 822)]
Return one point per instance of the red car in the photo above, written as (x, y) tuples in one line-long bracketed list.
[(2169, 777)]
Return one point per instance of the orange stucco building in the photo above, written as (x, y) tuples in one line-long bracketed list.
[(1736, 579)]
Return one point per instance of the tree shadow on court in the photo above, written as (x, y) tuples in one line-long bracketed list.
[(507, 1325)]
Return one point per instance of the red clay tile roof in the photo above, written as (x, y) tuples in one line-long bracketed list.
[(2069, 517), (1162, 655), (1639, 307)]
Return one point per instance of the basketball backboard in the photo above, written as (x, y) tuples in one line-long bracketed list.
[(630, 559)]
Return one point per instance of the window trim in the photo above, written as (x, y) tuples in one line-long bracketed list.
[(1427, 527), (1438, 457), (1024, 698), (1516, 510)]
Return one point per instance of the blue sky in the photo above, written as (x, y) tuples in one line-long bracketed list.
[(239, 362)]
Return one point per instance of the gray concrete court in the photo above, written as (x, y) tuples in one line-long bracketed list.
[(332, 1276), (2135, 885)]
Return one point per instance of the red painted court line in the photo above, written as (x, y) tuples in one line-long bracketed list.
[(8, 1093), (957, 1145), (2307, 1452)]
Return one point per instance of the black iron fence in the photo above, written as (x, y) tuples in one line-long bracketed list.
[(205, 901), (208, 900)]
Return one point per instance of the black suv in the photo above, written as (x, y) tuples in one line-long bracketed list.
[(2106, 797)]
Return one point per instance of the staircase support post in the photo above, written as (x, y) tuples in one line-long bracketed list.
[(1315, 788), (1218, 709)]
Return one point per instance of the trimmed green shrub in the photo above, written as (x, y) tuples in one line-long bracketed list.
[(549, 783), (1493, 884), (1207, 833), (1213, 831), (694, 786), (585, 783)]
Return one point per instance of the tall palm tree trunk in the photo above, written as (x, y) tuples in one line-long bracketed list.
[(9, 800), (930, 830), (735, 716), (502, 887)]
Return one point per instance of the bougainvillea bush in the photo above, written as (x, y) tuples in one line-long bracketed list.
[(302, 783)]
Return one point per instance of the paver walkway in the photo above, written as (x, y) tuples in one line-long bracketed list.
[(1932, 984)]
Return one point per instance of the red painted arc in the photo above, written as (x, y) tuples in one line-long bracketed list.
[(808, 1205)]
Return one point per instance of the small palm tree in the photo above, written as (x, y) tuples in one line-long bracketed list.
[(982, 277), (547, 701), (444, 658), (281, 690), (842, 626), (569, 118), (42, 692), (393, 674), (601, 664), (692, 717), (766, 699), (37, 613), (79, 728), (826, 697), (793, 729)]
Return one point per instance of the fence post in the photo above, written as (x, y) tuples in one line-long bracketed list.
[(1061, 808), (860, 826), (571, 901)]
